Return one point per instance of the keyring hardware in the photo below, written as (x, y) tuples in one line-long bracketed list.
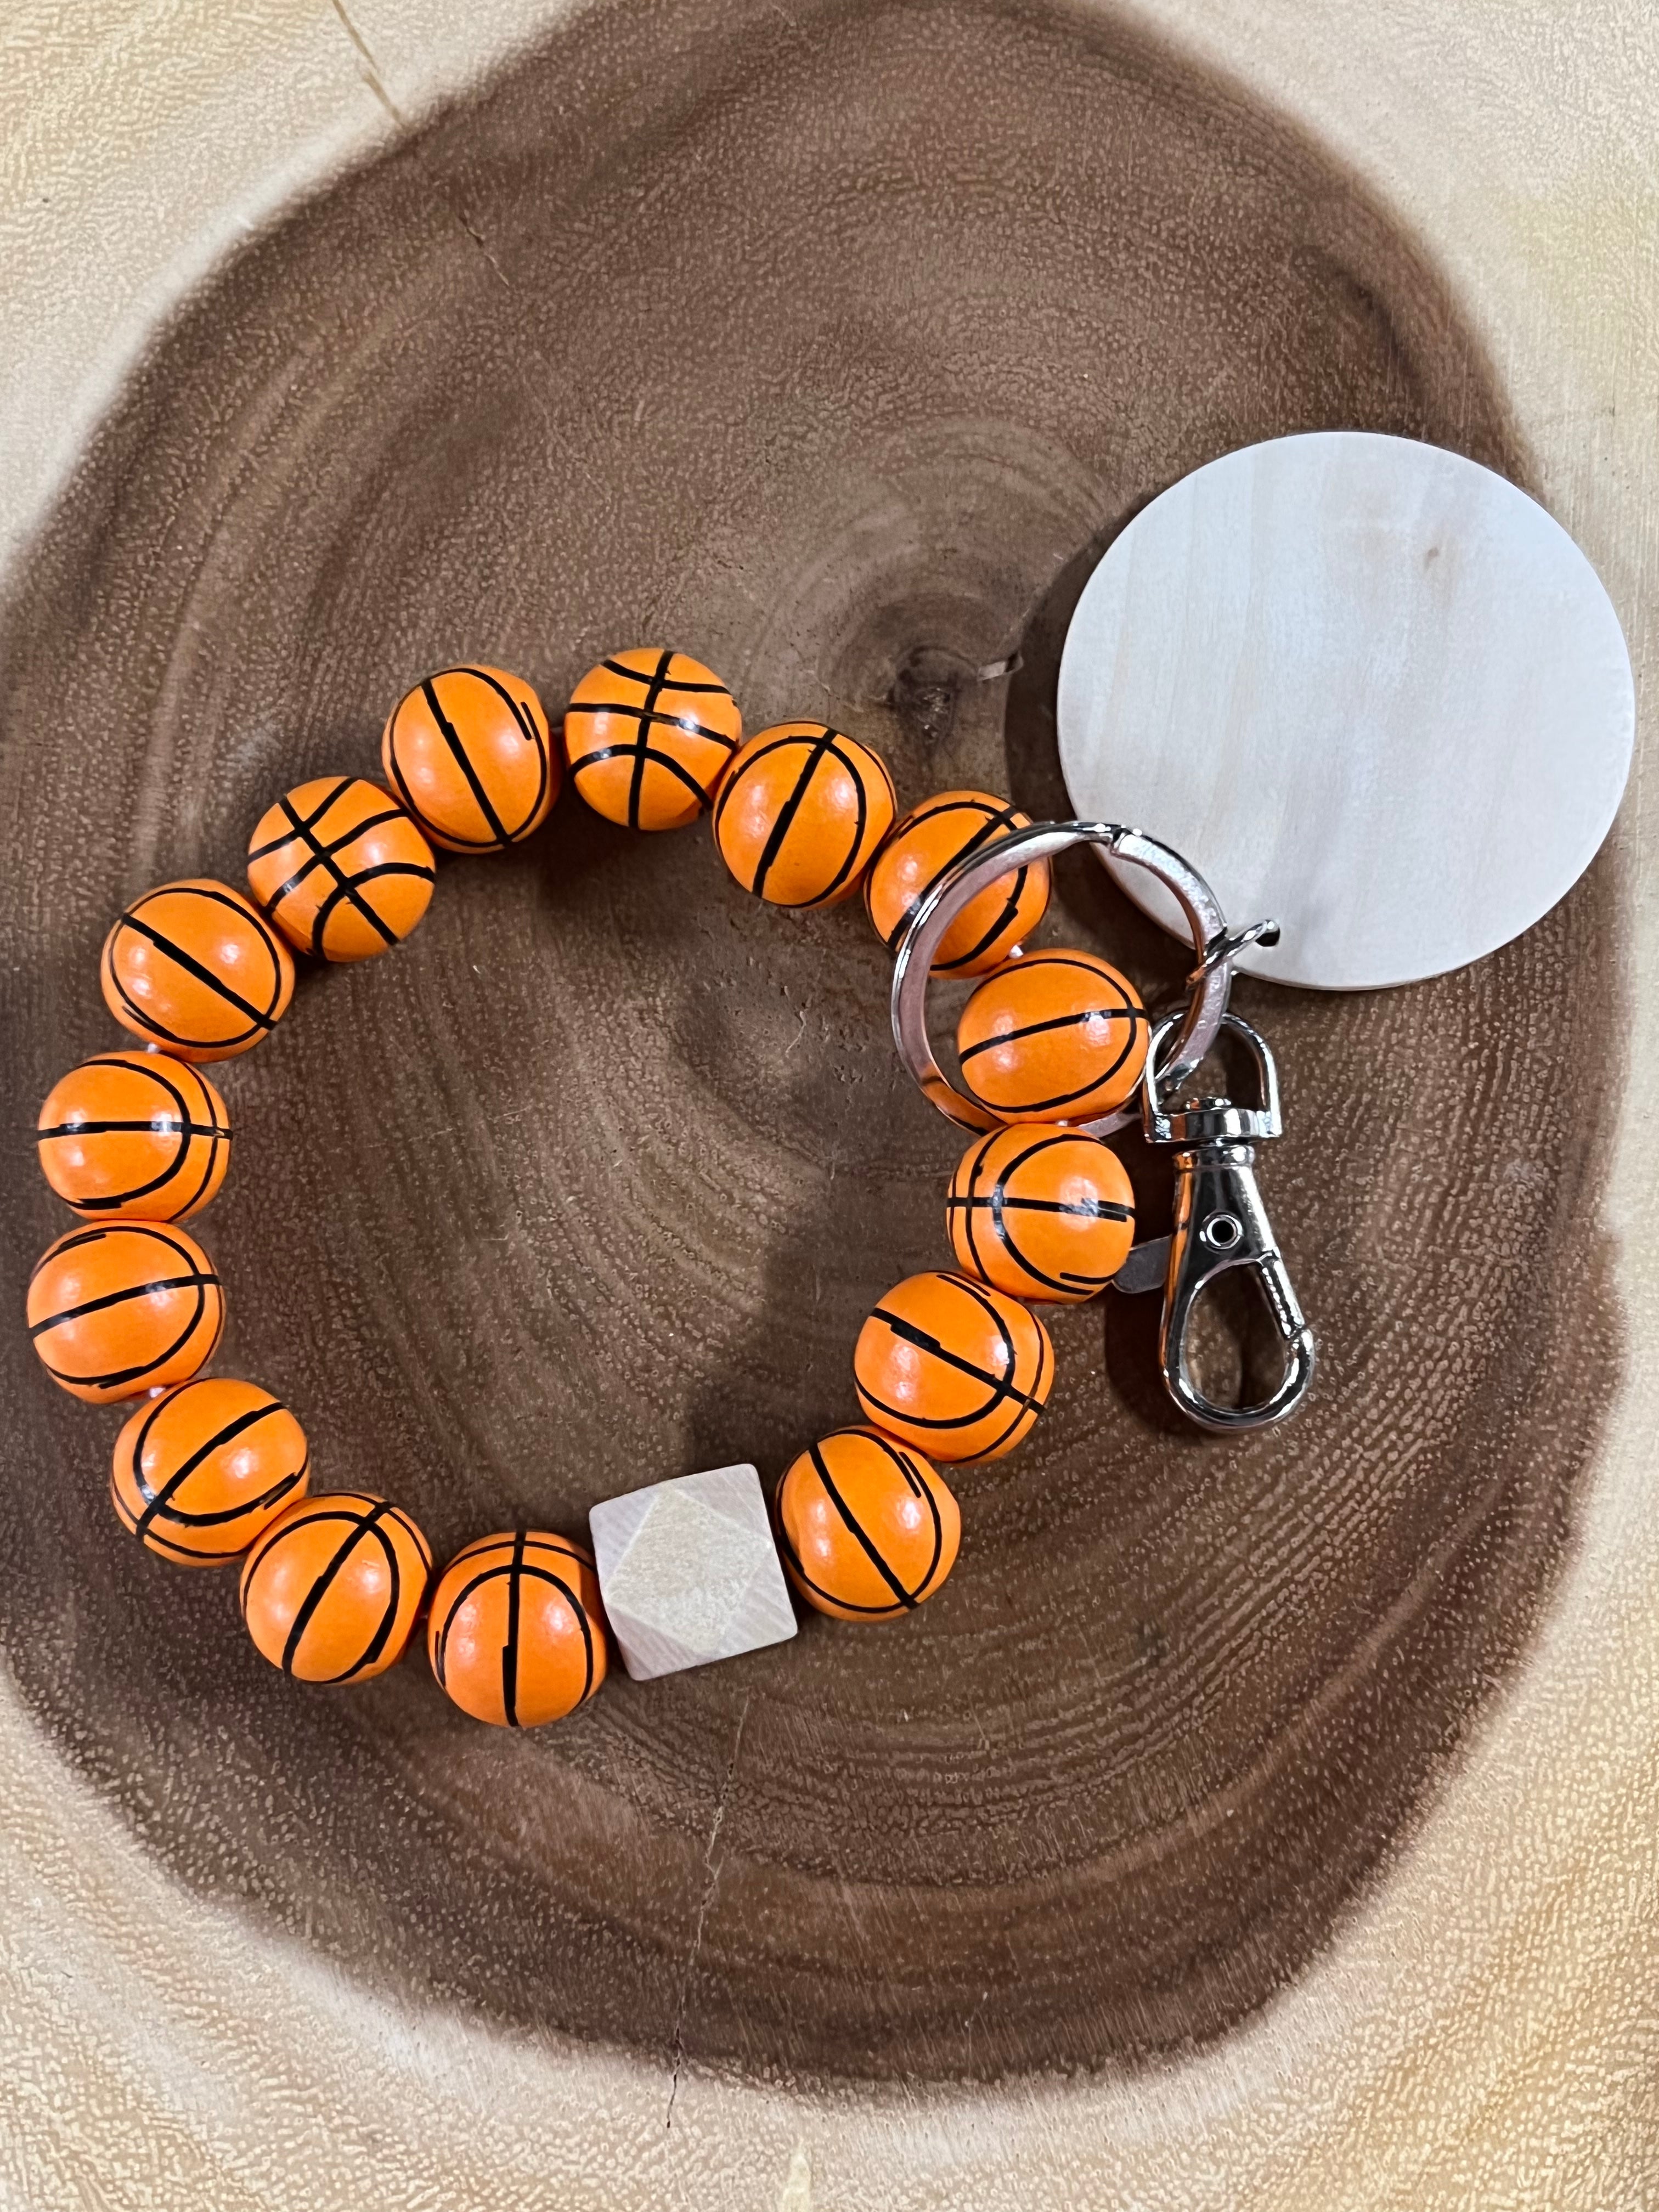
[(1220, 1222)]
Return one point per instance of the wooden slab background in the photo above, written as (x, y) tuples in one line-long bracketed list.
[(1479, 2028)]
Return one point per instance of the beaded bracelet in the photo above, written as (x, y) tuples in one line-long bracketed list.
[(951, 1366)]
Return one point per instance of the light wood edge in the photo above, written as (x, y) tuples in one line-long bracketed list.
[(1482, 2031)]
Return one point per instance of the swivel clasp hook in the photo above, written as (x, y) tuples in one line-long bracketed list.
[(1220, 1224)]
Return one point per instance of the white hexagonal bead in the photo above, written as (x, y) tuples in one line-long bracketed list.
[(688, 1571)]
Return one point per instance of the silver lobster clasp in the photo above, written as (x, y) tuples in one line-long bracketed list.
[(1220, 1224)]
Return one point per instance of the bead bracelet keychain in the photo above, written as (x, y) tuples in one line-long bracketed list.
[(1055, 1052), (952, 1366)]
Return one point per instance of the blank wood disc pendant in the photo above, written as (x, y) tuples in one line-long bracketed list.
[(1378, 689)]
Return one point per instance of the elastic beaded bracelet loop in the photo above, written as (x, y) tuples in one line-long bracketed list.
[(951, 1364)]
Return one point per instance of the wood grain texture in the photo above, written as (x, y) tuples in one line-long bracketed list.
[(1190, 1732)]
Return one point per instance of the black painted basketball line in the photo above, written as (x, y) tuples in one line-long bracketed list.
[(636, 782), (377, 1642), (909, 1333), (857, 1530), (792, 1561), (321, 1513), (1086, 963), (216, 1137), (535, 1540), (160, 1125), (152, 1125), (510, 1649), (1010, 1244), (151, 1064), (234, 902), (680, 683), (900, 1457), (330, 906), (816, 748), (226, 1514), (652, 753), (986, 937), (849, 867), (158, 1501), (158, 1359), (321, 1583), (76, 1238), (120, 1297), (320, 854), (1129, 1014), (181, 1119), (951, 802), (904, 1462), (148, 1026), (446, 731), (530, 1572), (394, 770), (1029, 1407), (997, 1204), (202, 973), (302, 824), (685, 723), (969, 1227), (992, 820), (1033, 1402), (527, 730), (1093, 1209), (324, 857)]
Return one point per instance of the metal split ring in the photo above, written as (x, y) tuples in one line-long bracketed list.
[(1213, 948)]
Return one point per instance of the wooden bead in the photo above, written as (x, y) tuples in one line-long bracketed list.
[(952, 1366), (868, 1530), (1055, 1036), (925, 847), (340, 867), (330, 1592), (194, 967), (801, 812), (467, 751), (649, 735), (689, 1570), (125, 1307), (203, 1470), (1042, 1213), (136, 1133), (516, 1633)]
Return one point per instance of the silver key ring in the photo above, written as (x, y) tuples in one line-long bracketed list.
[(1213, 949)]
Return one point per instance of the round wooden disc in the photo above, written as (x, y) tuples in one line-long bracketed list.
[(1368, 687)]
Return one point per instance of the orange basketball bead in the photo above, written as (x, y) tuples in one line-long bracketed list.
[(468, 753), (1055, 1036), (193, 967), (649, 735), (125, 1307), (135, 1134), (1042, 1213), (926, 846), (340, 868), (203, 1470), (330, 1592), (867, 1530), (801, 812), (516, 1633), (952, 1366)]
